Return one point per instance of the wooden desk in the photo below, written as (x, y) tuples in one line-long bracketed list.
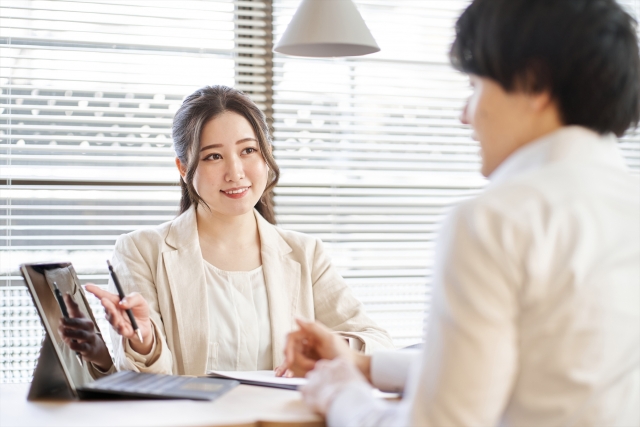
[(243, 406)]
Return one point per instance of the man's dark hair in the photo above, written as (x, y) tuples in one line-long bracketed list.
[(584, 52)]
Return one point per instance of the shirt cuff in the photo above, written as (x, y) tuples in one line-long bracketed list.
[(354, 405), (356, 344), (390, 369), (145, 360), (353, 340)]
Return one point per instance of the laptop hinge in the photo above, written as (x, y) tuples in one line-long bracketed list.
[(49, 380)]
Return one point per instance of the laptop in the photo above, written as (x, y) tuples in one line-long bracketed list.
[(61, 373)]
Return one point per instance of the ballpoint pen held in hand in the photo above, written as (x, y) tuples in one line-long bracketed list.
[(65, 312), (116, 282)]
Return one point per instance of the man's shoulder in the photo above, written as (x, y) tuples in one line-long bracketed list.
[(560, 181), (508, 199), (554, 189)]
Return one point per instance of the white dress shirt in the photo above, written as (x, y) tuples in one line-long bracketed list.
[(535, 318)]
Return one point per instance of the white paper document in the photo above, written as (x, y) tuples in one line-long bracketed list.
[(261, 378), (269, 379)]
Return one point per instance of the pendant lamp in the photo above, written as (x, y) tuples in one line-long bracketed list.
[(327, 28)]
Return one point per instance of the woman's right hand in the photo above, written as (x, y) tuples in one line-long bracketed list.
[(117, 316)]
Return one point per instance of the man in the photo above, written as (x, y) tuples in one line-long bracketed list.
[(535, 317)]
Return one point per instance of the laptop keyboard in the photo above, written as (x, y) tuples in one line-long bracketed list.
[(136, 382)]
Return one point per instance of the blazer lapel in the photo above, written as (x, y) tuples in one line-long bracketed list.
[(282, 280), (185, 271)]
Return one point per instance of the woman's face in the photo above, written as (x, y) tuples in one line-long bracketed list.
[(232, 173)]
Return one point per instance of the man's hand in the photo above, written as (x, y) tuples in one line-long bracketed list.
[(79, 333), (313, 342), (328, 379), (117, 316)]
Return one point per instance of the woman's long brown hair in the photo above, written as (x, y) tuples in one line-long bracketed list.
[(197, 109)]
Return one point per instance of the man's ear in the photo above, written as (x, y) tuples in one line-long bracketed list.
[(182, 169), (541, 101)]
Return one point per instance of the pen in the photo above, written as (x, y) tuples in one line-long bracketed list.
[(121, 294), (65, 313)]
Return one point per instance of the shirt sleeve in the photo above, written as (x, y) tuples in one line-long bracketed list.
[(355, 406), (390, 369), (135, 275), (471, 347), (143, 360)]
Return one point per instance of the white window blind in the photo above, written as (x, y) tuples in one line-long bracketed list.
[(373, 154), (89, 89)]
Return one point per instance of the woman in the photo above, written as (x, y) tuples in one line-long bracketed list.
[(219, 287)]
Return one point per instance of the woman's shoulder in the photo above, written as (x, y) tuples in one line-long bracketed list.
[(154, 236), (284, 239), (295, 237), (301, 244)]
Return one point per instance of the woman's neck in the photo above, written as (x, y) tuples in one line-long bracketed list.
[(226, 230), (230, 243)]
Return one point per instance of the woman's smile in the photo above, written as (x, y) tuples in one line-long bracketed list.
[(236, 193)]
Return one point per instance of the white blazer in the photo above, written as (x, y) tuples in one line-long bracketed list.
[(165, 265)]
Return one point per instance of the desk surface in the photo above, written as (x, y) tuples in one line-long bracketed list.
[(243, 406)]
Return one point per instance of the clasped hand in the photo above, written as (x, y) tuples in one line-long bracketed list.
[(308, 352), (314, 342)]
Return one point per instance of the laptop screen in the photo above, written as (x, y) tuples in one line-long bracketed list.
[(40, 280)]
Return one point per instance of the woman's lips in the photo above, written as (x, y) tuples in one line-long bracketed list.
[(236, 193)]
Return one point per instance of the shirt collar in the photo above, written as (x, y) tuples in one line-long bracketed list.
[(570, 143)]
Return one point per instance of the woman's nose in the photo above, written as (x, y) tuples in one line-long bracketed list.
[(235, 171)]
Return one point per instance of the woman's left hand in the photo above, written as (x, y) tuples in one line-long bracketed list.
[(282, 371), (312, 342)]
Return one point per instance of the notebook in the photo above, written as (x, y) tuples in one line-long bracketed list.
[(60, 373)]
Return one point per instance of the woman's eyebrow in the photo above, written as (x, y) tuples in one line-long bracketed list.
[(240, 141), (246, 140)]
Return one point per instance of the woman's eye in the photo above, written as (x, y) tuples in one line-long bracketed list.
[(250, 150), (213, 156)]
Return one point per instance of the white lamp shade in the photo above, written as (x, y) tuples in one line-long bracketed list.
[(327, 28)]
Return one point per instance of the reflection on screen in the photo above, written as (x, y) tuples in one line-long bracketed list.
[(42, 277)]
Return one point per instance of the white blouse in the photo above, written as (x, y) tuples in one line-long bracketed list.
[(240, 337)]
